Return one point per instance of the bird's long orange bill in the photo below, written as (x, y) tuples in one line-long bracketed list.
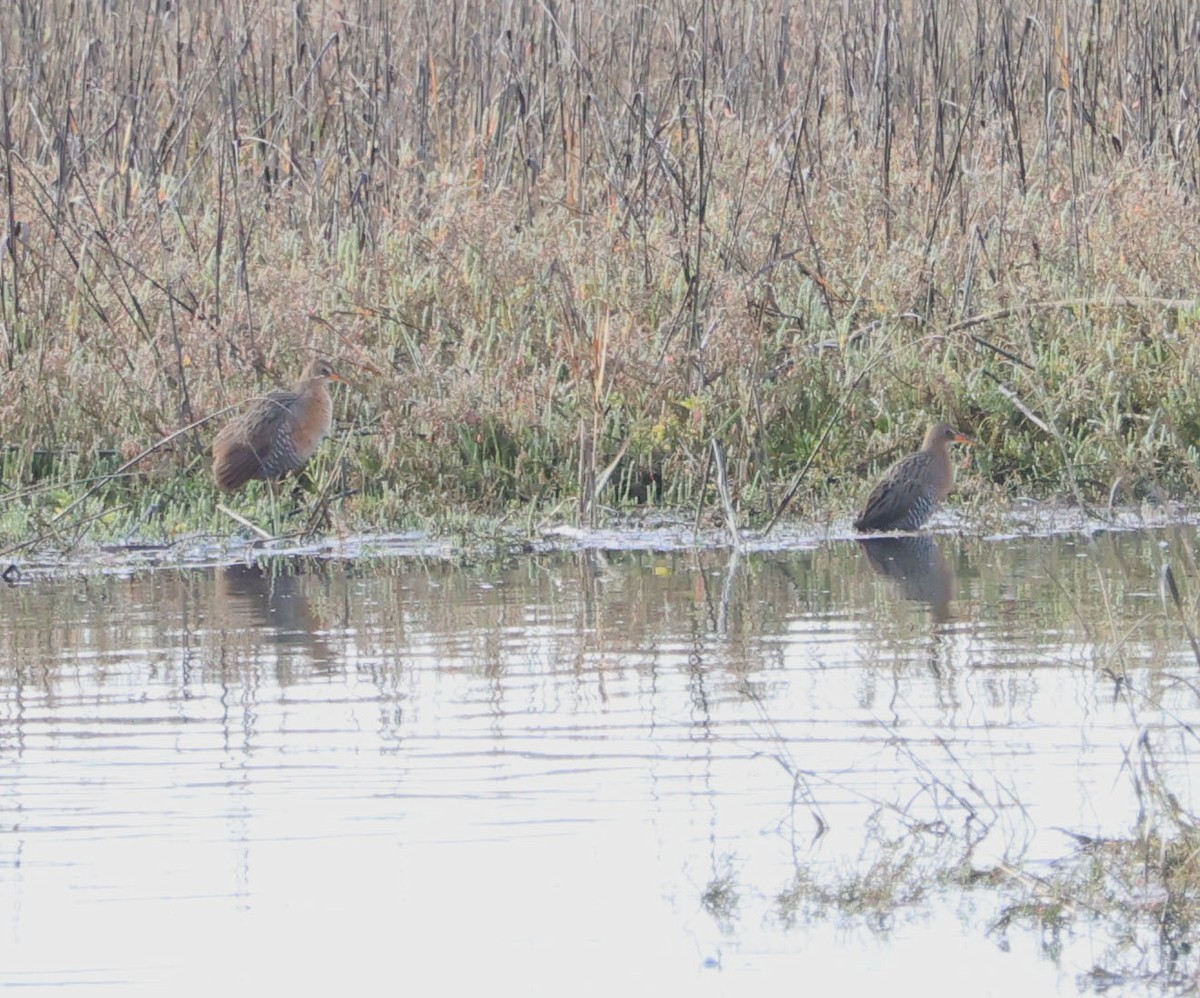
[(962, 438)]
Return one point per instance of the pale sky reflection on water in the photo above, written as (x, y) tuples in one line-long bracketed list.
[(562, 774)]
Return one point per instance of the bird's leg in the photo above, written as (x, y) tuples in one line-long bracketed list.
[(320, 519), (302, 486), (304, 483)]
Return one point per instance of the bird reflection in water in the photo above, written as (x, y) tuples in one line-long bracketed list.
[(917, 566), (272, 603)]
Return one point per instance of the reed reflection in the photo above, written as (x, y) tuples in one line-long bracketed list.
[(918, 568)]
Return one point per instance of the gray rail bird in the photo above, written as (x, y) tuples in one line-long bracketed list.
[(278, 433), (910, 489)]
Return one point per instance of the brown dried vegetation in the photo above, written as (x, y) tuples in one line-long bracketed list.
[(562, 248)]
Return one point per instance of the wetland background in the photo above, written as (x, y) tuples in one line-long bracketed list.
[(570, 252), (577, 256)]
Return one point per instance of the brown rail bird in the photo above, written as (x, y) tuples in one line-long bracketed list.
[(277, 433), (911, 488)]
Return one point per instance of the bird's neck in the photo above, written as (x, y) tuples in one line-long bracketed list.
[(939, 450), (313, 388)]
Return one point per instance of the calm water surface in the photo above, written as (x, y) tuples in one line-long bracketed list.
[(591, 772)]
